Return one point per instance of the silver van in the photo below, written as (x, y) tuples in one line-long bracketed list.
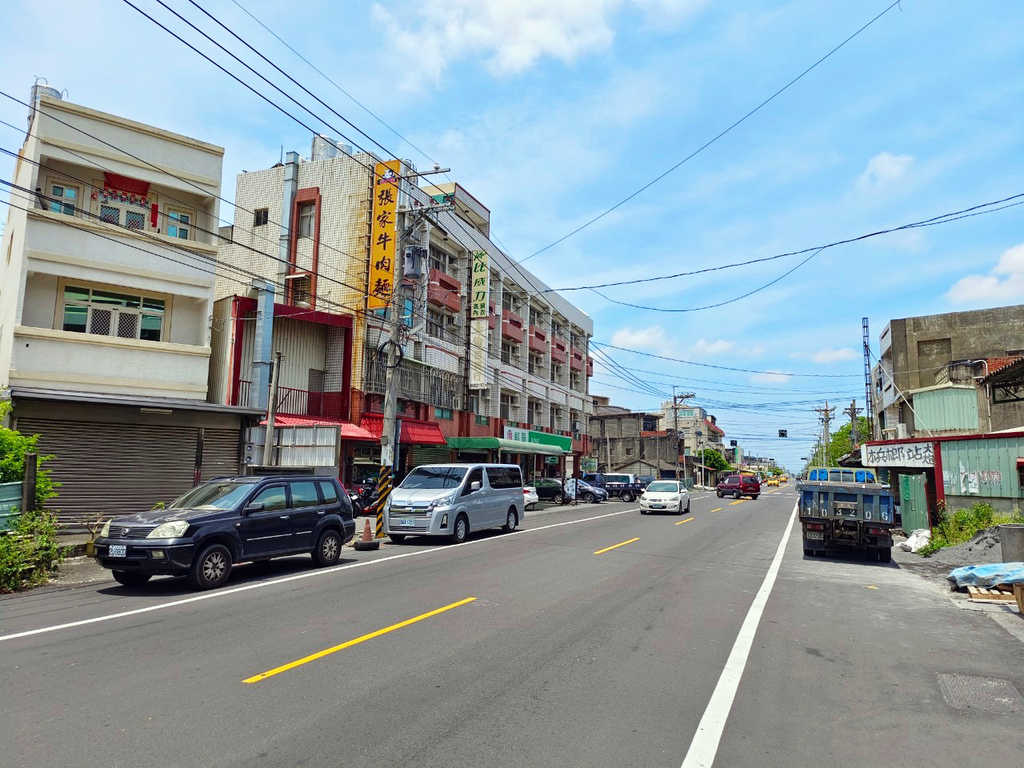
[(453, 499)]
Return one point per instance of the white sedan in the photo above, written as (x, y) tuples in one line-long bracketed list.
[(530, 497), (665, 496)]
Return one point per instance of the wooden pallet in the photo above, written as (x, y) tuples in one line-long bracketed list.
[(1001, 592)]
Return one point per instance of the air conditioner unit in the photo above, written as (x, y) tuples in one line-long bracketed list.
[(454, 320), (901, 431)]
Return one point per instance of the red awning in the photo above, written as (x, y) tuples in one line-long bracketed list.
[(349, 431), (126, 183), (414, 431)]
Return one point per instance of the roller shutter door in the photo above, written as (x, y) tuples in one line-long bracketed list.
[(430, 454), (220, 452), (114, 469)]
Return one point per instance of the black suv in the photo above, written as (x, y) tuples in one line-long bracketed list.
[(225, 521)]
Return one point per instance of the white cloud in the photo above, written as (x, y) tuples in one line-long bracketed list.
[(704, 347), (512, 35), (1004, 283), (829, 355), (883, 170), (772, 377), (651, 339)]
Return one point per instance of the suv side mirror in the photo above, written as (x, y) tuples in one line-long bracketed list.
[(474, 486), (250, 508)]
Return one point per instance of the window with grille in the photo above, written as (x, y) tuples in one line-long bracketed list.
[(179, 224), (111, 313), (260, 217), (301, 287), (307, 215), (63, 199), (435, 323), (509, 353), (123, 216)]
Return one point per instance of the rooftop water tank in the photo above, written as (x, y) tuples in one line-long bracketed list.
[(325, 148), (39, 90)]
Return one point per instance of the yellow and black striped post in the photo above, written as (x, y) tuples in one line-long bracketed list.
[(384, 479)]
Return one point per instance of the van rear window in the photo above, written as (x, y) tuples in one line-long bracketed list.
[(504, 477)]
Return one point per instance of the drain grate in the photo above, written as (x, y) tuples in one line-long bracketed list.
[(985, 694)]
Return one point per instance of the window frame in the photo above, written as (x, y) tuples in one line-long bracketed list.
[(189, 225), (305, 215), (56, 181), (260, 217), (62, 303)]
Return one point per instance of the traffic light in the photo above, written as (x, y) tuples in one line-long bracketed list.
[(783, 433)]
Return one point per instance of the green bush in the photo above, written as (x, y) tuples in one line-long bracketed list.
[(964, 524), (30, 551), (13, 447)]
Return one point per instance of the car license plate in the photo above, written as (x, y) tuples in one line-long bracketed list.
[(657, 506), (814, 536), (118, 550), (407, 522)]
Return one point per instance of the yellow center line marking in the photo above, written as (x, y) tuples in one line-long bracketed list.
[(734, 503), (616, 546), (356, 641), (684, 521), (717, 510)]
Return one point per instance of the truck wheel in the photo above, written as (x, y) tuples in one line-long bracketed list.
[(884, 554), (626, 496)]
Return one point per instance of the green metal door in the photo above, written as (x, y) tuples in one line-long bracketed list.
[(913, 503)]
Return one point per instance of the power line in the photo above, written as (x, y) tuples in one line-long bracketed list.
[(707, 144), (727, 368)]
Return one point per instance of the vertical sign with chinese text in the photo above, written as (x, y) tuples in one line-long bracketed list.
[(478, 327), (383, 234)]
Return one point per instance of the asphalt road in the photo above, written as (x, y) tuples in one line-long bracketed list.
[(697, 639)]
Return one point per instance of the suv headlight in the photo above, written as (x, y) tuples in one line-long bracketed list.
[(105, 530), (444, 501), (170, 530)]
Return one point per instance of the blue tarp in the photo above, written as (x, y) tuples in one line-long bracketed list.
[(988, 575)]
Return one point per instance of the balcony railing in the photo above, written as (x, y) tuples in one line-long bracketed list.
[(302, 402)]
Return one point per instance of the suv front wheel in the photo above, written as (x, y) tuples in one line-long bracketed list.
[(328, 549), (212, 568), (720, 494)]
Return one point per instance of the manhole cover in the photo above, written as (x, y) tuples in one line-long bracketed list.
[(985, 694)]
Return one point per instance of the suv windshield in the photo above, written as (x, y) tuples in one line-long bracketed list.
[(434, 477), (222, 495)]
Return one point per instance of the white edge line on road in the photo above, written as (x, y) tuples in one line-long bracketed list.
[(704, 746), (297, 577)]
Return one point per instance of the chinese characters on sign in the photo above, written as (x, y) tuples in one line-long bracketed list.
[(383, 234), (481, 284), (478, 328), (904, 455)]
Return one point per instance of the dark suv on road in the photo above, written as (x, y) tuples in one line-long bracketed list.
[(739, 485), (225, 521)]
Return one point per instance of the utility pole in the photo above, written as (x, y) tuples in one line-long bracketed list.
[(268, 439), (852, 412), (680, 444), (826, 418)]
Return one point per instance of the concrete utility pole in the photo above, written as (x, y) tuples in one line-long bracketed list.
[(680, 444), (826, 418), (268, 439), (852, 412)]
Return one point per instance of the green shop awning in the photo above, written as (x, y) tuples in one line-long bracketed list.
[(503, 445)]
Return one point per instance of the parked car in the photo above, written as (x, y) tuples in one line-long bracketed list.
[(453, 499), (583, 491), (739, 485), (624, 486), (549, 489), (665, 495), (530, 497), (225, 521)]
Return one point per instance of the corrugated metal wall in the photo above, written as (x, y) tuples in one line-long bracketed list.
[(983, 468), (954, 408)]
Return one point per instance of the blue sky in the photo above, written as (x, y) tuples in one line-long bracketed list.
[(552, 112)]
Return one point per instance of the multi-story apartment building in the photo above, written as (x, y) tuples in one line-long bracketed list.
[(105, 300), (916, 353), (697, 428), (510, 382)]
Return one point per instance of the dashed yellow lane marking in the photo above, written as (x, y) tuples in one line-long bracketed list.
[(684, 521), (717, 510), (356, 641), (734, 503), (616, 546)]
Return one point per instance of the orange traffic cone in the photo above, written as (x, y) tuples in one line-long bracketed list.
[(367, 541)]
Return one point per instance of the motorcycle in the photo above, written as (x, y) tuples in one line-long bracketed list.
[(362, 497)]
